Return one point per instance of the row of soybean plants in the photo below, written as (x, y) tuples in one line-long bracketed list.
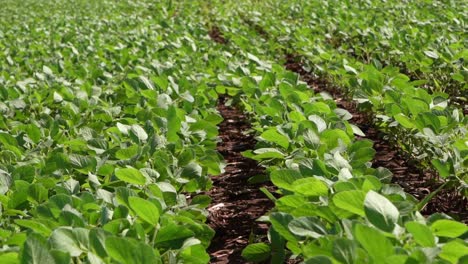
[(425, 124), (426, 39), (333, 206), (107, 132)]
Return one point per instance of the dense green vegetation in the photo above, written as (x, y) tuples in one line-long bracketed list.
[(108, 129)]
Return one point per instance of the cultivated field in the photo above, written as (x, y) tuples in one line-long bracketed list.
[(230, 131)]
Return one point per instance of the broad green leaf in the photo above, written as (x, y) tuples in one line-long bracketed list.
[(318, 260), (130, 175), (310, 186), (34, 225), (280, 222), (144, 209), (65, 239), (375, 243), (194, 254), (454, 250), (272, 135), (285, 178), (97, 240), (126, 153), (128, 251), (345, 250), (147, 82), (332, 137), (268, 153), (352, 201), (34, 133), (86, 163), (319, 122), (421, 233), (9, 258), (139, 132), (5, 181), (256, 252), (172, 236), (448, 228), (307, 227), (396, 259), (173, 124), (404, 121), (431, 54), (380, 211), (442, 167), (35, 251), (8, 139)]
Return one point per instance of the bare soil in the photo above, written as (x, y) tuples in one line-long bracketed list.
[(236, 204)]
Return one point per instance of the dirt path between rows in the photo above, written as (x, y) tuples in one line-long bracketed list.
[(236, 204)]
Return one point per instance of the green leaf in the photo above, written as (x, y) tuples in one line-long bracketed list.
[(454, 250), (310, 186), (34, 225), (127, 153), (280, 222), (374, 242), (272, 135), (35, 251), (144, 209), (139, 132), (404, 121), (431, 54), (397, 259), (318, 260), (194, 254), (268, 153), (7, 139), (444, 168), (97, 240), (345, 250), (65, 239), (285, 178), (173, 124), (85, 163), (332, 137), (9, 258), (33, 132), (380, 211), (448, 228), (130, 175), (257, 252), (307, 227), (352, 201), (172, 236), (421, 233), (128, 251), (319, 122), (5, 181)]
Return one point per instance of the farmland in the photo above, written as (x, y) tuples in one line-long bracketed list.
[(233, 131)]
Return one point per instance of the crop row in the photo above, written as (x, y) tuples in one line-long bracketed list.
[(426, 125), (107, 133), (334, 207)]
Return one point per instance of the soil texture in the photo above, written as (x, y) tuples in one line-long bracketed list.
[(236, 204), (217, 36)]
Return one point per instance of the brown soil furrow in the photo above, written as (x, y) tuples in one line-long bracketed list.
[(235, 203), (217, 36)]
